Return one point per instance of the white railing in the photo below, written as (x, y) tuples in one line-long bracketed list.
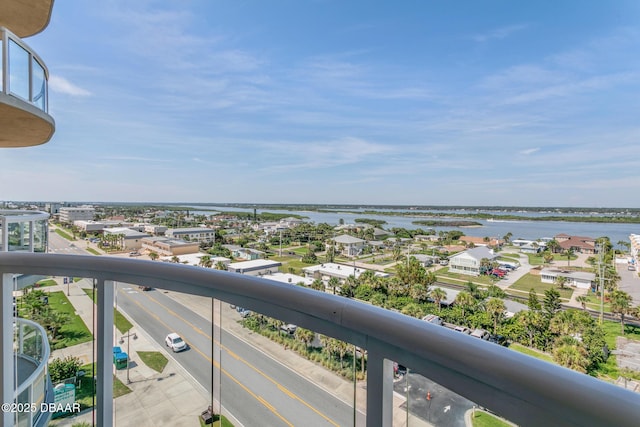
[(32, 346), (520, 388)]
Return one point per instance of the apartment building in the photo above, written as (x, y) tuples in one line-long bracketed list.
[(80, 213), (24, 122), (194, 234)]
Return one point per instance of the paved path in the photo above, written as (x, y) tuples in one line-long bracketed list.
[(170, 398)]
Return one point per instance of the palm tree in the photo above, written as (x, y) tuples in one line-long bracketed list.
[(532, 322), (153, 255), (437, 295), (570, 353), (465, 300), (583, 299), (495, 308), (220, 265), (334, 283), (317, 285), (560, 281), (621, 305), (569, 253)]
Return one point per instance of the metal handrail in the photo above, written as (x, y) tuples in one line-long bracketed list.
[(520, 388)]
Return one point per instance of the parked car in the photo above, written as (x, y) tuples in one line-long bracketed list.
[(432, 318), (175, 342), (288, 328), (481, 333)]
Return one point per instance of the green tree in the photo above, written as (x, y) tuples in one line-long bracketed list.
[(570, 353), (583, 299), (153, 255), (569, 253), (334, 283), (495, 308), (560, 281), (621, 305), (551, 302), (534, 302), (62, 369), (437, 295), (465, 301), (317, 285)]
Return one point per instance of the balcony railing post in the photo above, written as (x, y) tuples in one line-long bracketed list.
[(6, 347), (379, 389), (104, 336)]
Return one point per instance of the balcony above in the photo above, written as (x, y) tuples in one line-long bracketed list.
[(24, 118), (25, 18)]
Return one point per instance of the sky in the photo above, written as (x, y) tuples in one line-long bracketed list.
[(340, 102)]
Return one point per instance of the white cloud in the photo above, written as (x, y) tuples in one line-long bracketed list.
[(529, 151), (499, 33), (62, 85)]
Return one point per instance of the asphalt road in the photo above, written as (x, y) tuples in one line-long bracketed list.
[(274, 394), (431, 401)]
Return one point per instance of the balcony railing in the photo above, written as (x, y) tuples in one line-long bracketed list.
[(23, 72), (32, 351), (522, 389), (24, 96)]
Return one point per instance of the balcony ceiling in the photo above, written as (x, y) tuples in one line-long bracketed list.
[(23, 127), (25, 18)]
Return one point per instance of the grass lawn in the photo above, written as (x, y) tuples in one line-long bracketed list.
[(594, 303), (153, 359), (72, 332), (531, 352), (529, 281), (509, 257), (122, 323), (63, 234), (85, 392), (483, 419), (463, 278), (219, 421), (612, 330), (93, 251), (45, 282)]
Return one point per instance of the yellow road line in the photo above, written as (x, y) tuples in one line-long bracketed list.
[(237, 357), (269, 406)]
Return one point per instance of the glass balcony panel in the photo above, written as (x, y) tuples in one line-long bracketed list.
[(18, 70), (40, 236), (23, 418), (18, 235), (420, 401), (39, 85)]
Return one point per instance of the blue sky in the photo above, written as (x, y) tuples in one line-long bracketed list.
[(331, 101)]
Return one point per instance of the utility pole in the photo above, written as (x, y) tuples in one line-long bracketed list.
[(601, 270)]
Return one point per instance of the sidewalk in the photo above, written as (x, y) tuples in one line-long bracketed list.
[(168, 398)]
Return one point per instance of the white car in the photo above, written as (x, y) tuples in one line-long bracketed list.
[(176, 343)]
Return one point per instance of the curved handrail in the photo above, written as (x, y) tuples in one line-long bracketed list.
[(521, 388), (42, 363)]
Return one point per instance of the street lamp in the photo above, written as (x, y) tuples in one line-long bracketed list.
[(128, 337)]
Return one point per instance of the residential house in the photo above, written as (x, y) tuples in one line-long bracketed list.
[(349, 245), (256, 267), (169, 247), (468, 262), (576, 279), (579, 244)]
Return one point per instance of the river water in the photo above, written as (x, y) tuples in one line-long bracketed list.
[(523, 229)]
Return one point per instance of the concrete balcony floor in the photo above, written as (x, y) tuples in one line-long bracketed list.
[(22, 124)]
